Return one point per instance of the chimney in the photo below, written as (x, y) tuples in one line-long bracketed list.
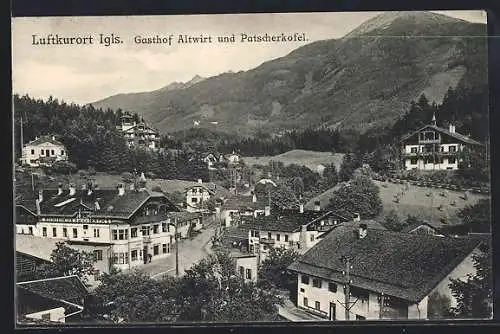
[(97, 206), (59, 190), (72, 189), (254, 198), (317, 206), (121, 189), (357, 217), (53, 138), (38, 211), (452, 128), (40, 195), (200, 181), (362, 231), (301, 208), (267, 210)]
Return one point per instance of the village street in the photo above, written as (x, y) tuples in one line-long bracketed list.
[(190, 252)]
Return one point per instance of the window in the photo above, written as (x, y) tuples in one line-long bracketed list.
[(413, 150), (156, 250), (97, 273), (62, 152), (413, 161), (98, 254), (52, 152), (85, 227), (305, 279), (194, 200), (249, 273), (44, 231), (242, 271), (114, 234), (164, 227), (96, 233), (306, 303), (54, 232), (32, 151), (316, 283), (360, 317), (269, 235), (41, 152), (46, 316), (452, 148), (133, 232), (155, 229), (145, 230), (286, 237), (164, 248), (332, 287), (451, 160), (302, 290), (278, 237), (30, 230), (65, 232), (75, 233), (133, 255), (120, 258), (317, 305)]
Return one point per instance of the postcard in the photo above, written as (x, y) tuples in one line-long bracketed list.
[(250, 168)]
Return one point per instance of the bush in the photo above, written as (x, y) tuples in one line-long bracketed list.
[(62, 167), (91, 171)]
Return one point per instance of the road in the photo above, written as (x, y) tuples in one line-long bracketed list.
[(190, 252)]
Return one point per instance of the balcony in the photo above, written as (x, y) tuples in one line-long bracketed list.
[(267, 241), (429, 141), (146, 239), (426, 154), (151, 219)]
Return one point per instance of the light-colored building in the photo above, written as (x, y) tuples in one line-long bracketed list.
[(139, 135), (389, 275), (435, 148), (246, 265), (237, 208), (125, 227), (44, 150)]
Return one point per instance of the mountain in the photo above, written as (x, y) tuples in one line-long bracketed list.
[(365, 79)]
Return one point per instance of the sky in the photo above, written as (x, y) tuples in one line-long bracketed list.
[(87, 73)]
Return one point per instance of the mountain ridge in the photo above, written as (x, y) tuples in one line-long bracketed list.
[(350, 82)]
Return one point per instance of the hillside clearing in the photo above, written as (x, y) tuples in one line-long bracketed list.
[(311, 159)]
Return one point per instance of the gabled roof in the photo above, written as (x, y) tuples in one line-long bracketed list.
[(412, 227), (455, 135), (45, 139), (183, 215), (146, 128), (403, 265), (243, 203), (111, 204), (286, 221), (171, 186), (66, 288)]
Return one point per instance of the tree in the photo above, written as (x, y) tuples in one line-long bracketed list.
[(360, 196), (68, 261), (474, 295), (135, 297), (273, 270), (438, 306), (211, 291), (477, 216), (393, 222), (349, 164), (330, 175)]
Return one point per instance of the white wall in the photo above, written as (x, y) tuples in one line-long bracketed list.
[(248, 263), (56, 314), (60, 152)]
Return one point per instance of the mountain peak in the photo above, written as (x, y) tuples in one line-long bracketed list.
[(380, 24)]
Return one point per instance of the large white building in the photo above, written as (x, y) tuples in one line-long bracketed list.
[(122, 226), (386, 275), (434, 148), (43, 150), (139, 135)]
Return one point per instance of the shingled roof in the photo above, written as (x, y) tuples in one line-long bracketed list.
[(455, 135), (285, 221), (66, 288), (243, 203), (407, 266)]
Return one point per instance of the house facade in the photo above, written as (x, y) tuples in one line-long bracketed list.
[(435, 148), (362, 266), (238, 208), (127, 228), (139, 135), (246, 266), (42, 151)]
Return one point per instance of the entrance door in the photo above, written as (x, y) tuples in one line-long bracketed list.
[(332, 311), (145, 254)]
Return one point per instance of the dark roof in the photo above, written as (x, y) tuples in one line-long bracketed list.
[(183, 215), (110, 203), (45, 139), (285, 221), (25, 215), (402, 265), (243, 203), (455, 135), (65, 288)]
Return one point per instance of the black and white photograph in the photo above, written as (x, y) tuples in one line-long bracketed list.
[(251, 168)]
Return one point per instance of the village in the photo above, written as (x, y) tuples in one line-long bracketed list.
[(366, 246)]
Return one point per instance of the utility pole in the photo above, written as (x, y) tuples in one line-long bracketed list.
[(176, 250), (347, 290), (22, 140)]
